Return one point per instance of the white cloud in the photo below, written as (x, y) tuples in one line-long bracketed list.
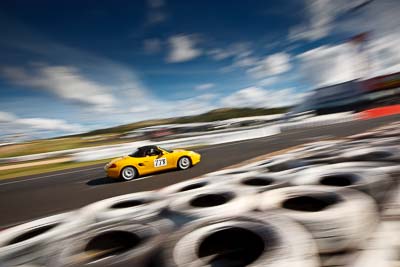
[(219, 54), (14, 124), (49, 124), (321, 16), (156, 14), (192, 106), (328, 65), (240, 54), (237, 50), (245, 61), (271, 65), (383, 55), (257, 97), (182, 48), (268, 81), (377, 55), (64, 81), (7, 117), (152, 46), (139, 109), (204, 86), (155, 3)]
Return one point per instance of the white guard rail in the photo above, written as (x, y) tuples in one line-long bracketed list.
[(211, 139)]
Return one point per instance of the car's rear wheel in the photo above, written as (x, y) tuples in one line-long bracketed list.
[(184, 163), (129, 173)]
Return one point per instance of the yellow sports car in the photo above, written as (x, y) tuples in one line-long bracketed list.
[(149, 159)]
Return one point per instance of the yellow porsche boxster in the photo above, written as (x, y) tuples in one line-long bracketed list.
[(150, 159)]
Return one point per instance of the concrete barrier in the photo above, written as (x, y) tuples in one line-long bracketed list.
[(321, 120), (211, 139), (109, 151)]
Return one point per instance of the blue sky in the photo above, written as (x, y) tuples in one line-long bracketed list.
[(72, 66)]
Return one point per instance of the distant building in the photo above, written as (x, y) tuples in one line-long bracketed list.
[(353, 95)]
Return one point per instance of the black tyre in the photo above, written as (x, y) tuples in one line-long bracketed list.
[(129, 173)]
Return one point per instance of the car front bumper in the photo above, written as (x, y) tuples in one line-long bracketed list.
[(111, 173), (196, 158)]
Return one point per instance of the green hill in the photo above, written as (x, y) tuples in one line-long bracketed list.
[(213, 115)]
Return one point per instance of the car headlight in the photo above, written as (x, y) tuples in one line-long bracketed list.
[(110, 166), (106, 166)]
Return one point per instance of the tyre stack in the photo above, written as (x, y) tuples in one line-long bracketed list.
[(328, 203)]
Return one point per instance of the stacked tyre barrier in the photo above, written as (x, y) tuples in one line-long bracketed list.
[(329, 203)]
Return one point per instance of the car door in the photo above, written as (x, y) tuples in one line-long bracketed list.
[(170, 160), (156, 161), (145, 163)]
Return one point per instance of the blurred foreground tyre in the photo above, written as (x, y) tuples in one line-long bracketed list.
[(374, 182), (250, 240), (319, 157), (117, 244), (27, 243), (226, 201), (385, 141), (316, 147), (231, 172), (384, 249), (378, 153), (283, 164), (337, 219), (142, 205), (189, 186), (260, 182)]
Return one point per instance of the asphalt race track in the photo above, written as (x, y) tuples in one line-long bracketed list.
[(30, 197)]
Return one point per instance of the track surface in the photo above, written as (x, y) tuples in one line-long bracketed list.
[(30, 197)]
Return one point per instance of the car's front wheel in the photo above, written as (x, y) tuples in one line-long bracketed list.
[(184, 163), (129, 173)]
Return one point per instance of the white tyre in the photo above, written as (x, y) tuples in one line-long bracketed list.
[(231, 172), (223, 200), (338, 219), (320, 157), (109, 244), (380, 153), (383, 249), (260, 182), (189, 186), (141, 205), (318, 146), (249, 240), (374, 182), (385, 141), (283, 164), (27, 243)]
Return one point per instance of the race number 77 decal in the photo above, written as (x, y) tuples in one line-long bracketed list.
[(160, 162)]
